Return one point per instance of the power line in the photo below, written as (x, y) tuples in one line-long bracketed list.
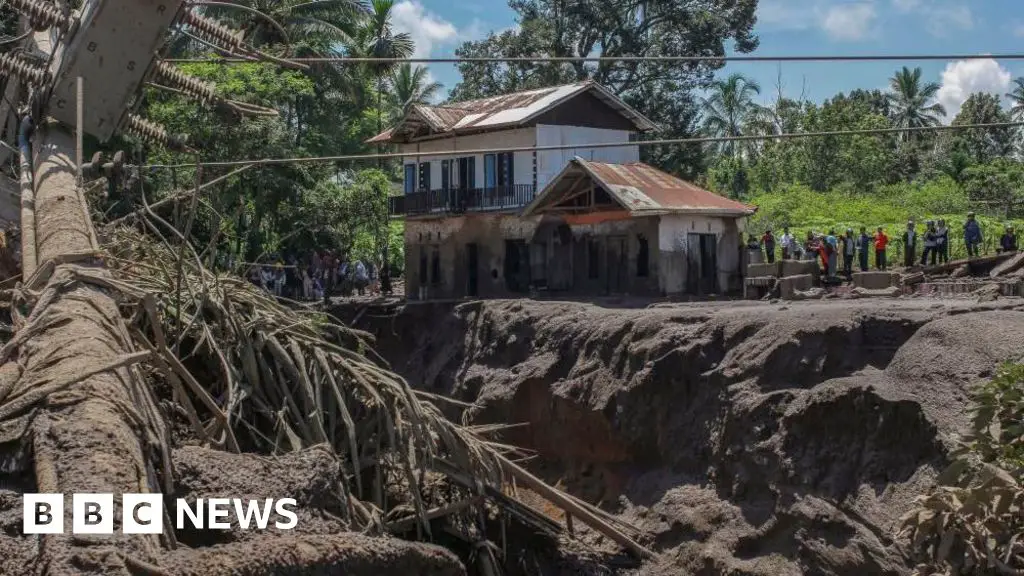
[(662, 142), (602, 59)]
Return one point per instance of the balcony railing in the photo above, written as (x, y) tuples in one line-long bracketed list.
[(461, 200)]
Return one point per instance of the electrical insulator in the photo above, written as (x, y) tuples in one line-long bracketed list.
[(192, 86), (154, 132), (214, 32), (43, 14), (13, 64)]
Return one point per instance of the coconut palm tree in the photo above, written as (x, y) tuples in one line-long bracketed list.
[(730, 110), (912, 101), (1017, 98), (376, 38), (273, 22), (411, 85)]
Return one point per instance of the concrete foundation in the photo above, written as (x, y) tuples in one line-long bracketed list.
[(789, 285), (799, 267), (761, 269), (875, 280)]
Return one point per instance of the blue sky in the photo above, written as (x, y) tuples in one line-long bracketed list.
[(790, 27)]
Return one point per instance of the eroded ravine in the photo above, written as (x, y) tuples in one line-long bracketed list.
[(751, 439)]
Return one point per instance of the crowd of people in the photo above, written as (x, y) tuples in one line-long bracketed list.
[(316, 276), (857, 249)]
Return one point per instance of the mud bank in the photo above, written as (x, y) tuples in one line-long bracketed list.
[(742, 439)]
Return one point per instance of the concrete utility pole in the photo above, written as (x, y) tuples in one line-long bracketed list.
[(93, 431)]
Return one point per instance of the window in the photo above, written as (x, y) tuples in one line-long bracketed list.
[(490, 171), (435, 266), (446, 174), (593, 259), (424, 176), (642, 257), (410, 178), (506, 170), (467, 172)]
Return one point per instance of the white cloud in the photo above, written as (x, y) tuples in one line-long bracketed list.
[(426, 29), (962, 78), (787, 14), (941, 19), (906, 5), (850, 21)]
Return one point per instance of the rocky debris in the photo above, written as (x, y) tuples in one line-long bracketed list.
[(1008, 266), (742, 438)]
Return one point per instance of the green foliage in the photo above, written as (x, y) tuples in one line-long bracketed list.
[(972, 521)]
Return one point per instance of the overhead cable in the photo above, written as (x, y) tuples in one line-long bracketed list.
[(602, 59), (661, 142)]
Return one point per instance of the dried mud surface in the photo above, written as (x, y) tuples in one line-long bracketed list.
[(742, 438)]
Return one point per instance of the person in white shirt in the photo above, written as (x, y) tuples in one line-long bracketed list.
[(787, 242)]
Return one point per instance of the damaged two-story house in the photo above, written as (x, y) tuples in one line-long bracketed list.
[(544, 190)]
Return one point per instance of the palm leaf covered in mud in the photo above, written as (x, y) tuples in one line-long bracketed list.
[(973, 521), (288, 369)]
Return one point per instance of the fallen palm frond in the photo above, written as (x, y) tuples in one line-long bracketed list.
[(285, 369)]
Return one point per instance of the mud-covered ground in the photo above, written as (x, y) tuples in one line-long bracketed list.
[(742, 438)]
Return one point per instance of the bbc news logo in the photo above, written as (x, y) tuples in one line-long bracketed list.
[(144, 513)]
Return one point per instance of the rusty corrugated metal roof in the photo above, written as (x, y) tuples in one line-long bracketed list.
[(641, 189), (506, 110)]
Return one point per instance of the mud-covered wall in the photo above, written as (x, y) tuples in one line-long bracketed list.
[(674, 247), (560, 256)]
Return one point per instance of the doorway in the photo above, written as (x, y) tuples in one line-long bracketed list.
[(472, 269), (701, 264), (517, 265), (616, 267)]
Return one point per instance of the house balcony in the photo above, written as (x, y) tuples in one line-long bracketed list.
[(461, 200)]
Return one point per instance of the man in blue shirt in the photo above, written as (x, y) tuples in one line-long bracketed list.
[(972, 235)]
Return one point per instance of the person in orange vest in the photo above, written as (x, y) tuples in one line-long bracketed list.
[(881, 241)]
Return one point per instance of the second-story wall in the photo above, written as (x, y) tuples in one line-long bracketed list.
[(551, 162), (426, 151), (548, 163)]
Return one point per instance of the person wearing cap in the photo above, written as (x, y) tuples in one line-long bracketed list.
[(972, 235), (849, 251), (910, 244), (931, 242), (1008, 243)]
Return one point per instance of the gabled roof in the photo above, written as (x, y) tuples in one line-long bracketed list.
[(504, 111), (641, 190)]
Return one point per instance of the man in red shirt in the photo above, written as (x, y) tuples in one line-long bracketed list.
[(881, 241)]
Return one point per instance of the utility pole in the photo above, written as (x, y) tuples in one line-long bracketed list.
[(96, 428)]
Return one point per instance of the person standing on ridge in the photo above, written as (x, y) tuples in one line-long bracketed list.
[(865, 248), (787, 243), (849, 251), (942, 241), (972, 235), (769, 245), (910, 244), (881, 241), (931, 243)]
